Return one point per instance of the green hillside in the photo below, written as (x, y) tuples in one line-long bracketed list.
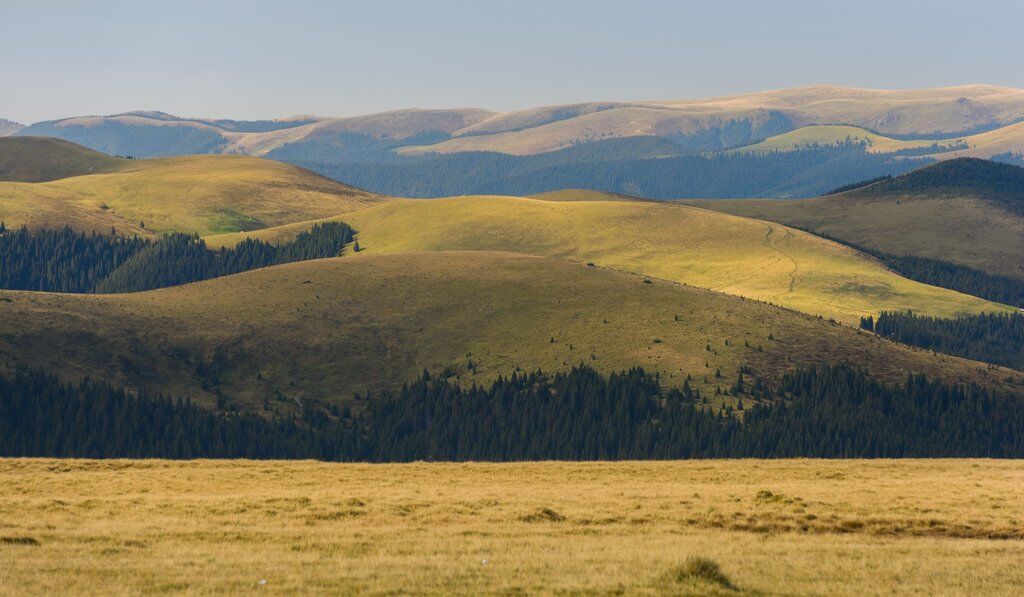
[(325, 329), (41, 159), (204, 194), (740, 256)]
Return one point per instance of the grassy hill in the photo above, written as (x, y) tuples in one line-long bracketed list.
[(157, 134), (324, 329), (39, 159), (834, 135), (205, 194), (699, 124), (966, 211), (735, 255)]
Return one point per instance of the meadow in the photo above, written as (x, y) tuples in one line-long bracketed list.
[(700, 527), (750, 258)]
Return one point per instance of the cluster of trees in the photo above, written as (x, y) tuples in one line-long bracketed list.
[(41, 416), (833, 412), (68, 261), (642, 166), (994, 287), (61, 260), (996, 338)]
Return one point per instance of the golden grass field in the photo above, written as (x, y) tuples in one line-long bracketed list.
[(324, 329), (204, 194), (784, 527), (750, 258)]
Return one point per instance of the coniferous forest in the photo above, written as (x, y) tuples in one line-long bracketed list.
[(996, 338), (68, 261), (837, 412), (936, 272)]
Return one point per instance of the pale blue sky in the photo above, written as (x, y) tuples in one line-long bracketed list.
[(259, 59)]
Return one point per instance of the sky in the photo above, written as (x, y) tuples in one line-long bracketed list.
[(257, 59)]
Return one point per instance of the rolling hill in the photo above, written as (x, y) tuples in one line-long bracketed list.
[(966, 211), (321, 330), (1005, 140), (740, 256), (719, 123), (654, 148), (157, 134), (201, 194), (701, 125), (838, 134), (40, 159)]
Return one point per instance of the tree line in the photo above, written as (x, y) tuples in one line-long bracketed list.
[(68, 261), (945, 274), (829, 412), (996, 338)]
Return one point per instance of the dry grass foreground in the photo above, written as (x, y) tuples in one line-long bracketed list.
[(772, 527)]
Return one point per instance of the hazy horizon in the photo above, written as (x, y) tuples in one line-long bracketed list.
[(257, 60)]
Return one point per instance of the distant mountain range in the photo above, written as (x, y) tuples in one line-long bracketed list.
[(789, 142)]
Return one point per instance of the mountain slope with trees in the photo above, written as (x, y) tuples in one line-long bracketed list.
[(965, 211), (322, 330)]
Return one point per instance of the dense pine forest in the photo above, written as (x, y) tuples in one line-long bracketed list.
[(68, 261), (40, 416), (832, 412), (991, 337), (1002, 289)]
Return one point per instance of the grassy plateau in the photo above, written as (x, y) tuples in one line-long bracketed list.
[(730, 527)]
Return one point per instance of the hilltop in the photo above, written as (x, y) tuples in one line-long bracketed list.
[(324, 329), (205, 194), (32, 159), (966, 211)]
